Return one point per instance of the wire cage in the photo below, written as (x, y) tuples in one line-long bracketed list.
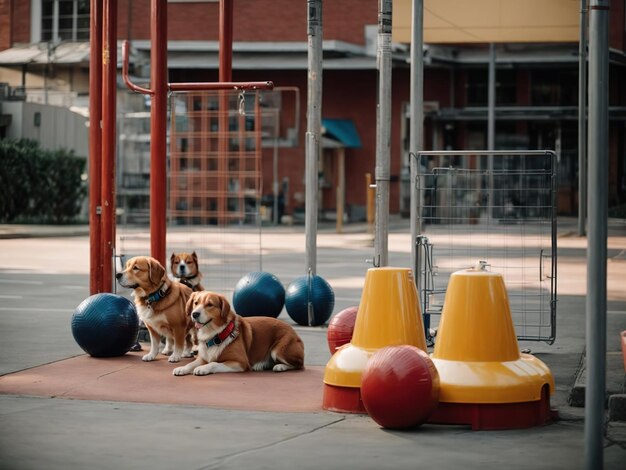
[(496, 208)]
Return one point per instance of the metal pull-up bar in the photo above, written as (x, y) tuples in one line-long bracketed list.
[(189, 86)]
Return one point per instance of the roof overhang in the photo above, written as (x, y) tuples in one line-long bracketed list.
[(68, 53)]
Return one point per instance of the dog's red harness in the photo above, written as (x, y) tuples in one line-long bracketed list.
[(225, 333)]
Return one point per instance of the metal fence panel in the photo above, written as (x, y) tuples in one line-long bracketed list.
[(496, 207)]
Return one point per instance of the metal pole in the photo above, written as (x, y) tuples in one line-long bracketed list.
[(383, 135), (158, 129), (314, 124), (491, 123), (226, 40), (95, 147), (491, 104), (582, 118), (597, 238), (109, 119), (275, 168), (417, 126)]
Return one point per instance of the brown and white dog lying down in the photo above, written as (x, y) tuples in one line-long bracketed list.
[(228, 342), (184, 267), (160, 304)]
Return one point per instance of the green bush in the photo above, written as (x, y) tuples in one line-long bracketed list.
[(39, 186)]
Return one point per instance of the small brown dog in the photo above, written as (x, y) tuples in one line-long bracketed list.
[(228, 342), (184, 267), (160, 304)]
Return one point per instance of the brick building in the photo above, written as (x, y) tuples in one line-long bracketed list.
[(43, 44)]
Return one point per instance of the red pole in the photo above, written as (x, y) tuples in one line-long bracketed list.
[(226, 41), (158, 129), (225, 75), (95, 147), (109, 96)]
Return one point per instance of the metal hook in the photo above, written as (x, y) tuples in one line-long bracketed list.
[(242, 103)]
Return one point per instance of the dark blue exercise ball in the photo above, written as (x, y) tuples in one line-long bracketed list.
[(313, 289), (105, 325), (259, 294)]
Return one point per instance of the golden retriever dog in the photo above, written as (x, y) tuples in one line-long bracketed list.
[(228, 342), (184, 267), (160, 304)]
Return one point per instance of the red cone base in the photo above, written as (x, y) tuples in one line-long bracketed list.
[(495, 416), (343, 399)]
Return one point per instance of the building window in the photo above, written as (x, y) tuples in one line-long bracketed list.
[(478, 84), (551, 87), (65, 20)]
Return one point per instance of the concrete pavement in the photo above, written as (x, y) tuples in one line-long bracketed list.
[(42, 280)]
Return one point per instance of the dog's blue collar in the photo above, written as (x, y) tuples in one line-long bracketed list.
[(158, 295), (225, 333)]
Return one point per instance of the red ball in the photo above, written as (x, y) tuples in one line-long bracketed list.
[(341, 327), (400, 387)]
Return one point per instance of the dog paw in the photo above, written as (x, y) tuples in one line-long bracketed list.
[(281, 367), (174, 358), (148, 357), (166, 352), (203, 370), (188, 354), (180, 371)]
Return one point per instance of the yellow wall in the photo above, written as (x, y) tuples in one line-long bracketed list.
[(484, 21)]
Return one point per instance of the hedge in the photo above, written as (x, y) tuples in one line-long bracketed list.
[(39, 186)]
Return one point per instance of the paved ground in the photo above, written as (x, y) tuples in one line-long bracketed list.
[(43, 279)]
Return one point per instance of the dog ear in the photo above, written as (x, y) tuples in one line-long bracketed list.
[(225, 308), (155, 271), (173, 257), (195, 257), (190, 301)]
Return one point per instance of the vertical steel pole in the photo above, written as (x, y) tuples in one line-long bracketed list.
[(158, 129), (383, 134), (417, 126), (597, 238), (109, 119), (314, 124), (491, 122), (95, 148), (416, 133), (275, 190), (491, 99), (416, 136), (582, 118)]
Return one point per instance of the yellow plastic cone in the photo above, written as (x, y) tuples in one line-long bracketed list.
[(388, 315), (484, 380)]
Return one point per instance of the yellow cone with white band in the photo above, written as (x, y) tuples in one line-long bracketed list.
[(388, 315)]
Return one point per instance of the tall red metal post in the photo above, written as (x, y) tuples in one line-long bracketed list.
[(226, 40), (95, 147), (109, 109), (158, 129), (225, 75)]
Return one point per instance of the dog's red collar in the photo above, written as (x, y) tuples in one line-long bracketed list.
[(225, 333)]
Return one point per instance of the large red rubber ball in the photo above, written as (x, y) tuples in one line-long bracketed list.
[(341, 327), (400, 387)]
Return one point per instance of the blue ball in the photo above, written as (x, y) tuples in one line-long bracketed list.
[(105, 325), (259, 294), (318, 292)]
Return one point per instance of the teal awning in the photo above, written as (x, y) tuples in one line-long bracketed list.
[(341, 130)]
